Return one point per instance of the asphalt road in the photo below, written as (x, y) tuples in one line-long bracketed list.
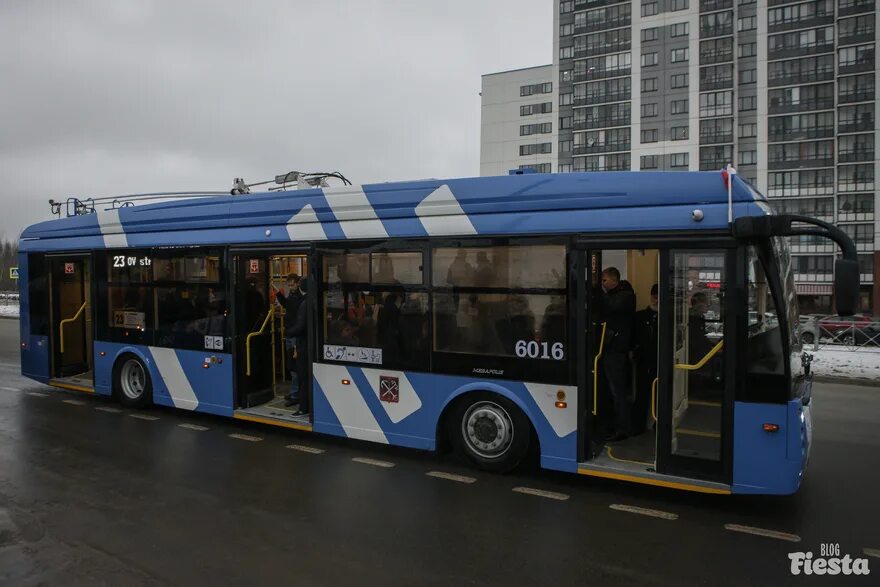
[(93, 494)]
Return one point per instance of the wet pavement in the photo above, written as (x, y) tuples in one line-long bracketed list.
[(90, 494)]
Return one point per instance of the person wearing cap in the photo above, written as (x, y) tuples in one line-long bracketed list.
[(645, 353)]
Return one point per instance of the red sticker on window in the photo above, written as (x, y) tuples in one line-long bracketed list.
[(255, 266), (69, 268), (389, 389)]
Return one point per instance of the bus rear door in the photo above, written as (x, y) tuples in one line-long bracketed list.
[(71, 319)]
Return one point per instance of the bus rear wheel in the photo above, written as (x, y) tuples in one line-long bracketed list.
[(491, 431), (132, 383)]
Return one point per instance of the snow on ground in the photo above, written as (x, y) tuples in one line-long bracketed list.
[(9, 310), (840, 361)]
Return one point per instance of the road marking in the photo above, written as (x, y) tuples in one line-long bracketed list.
[(10, 389), (144, 417), (541, 493), (302, 448), (644, 511), (374, 462), (451, 477), (109, 409), (195, 427), (763, 532), (246, 437), (74, 402), (875, 552), (37, 394)]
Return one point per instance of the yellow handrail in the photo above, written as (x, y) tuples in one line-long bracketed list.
[(703, 361), (67, 321), (596, 369), (654, 398), (247, 344)]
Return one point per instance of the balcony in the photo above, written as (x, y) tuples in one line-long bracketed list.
[(800, 50), (857, 37), (713, 5), (598, 149), (848, 126), (604, 24), (811, 132), (855, 185), (592, 99), (798, 163), (793, 25), (604, 122), (856, 155), (865, 62), (716, 83), (856, 96), (802, 106), (594, 74), (855, 216), (716, 31), (715, 138), (802, 77), (593, 49), (713, 57), (850, 7)]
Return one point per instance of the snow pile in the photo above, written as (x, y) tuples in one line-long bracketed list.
[(10, 310), (863, 363)]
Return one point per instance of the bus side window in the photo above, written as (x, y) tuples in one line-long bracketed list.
[(765, 350)]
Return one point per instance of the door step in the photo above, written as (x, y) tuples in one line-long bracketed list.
[(82, 382), (641, 474), (274, 417)]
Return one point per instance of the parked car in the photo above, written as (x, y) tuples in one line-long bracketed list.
[(809, 329), (855, 329)]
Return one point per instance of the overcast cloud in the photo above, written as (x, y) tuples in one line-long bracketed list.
[(110, 97)]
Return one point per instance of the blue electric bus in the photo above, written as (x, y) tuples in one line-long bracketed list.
[(462, 313)]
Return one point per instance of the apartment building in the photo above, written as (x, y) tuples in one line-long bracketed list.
[(783, 90)]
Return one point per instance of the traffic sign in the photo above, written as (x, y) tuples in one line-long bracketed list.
[(13, 272)]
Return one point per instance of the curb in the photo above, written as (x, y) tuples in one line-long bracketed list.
[(9, 317), (847, 380)]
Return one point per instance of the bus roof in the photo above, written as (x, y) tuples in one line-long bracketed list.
[(532, 203)]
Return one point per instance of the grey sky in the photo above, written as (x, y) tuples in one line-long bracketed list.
[(102, 98)]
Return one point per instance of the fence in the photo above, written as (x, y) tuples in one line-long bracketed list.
[(833, 331), (8, 298)]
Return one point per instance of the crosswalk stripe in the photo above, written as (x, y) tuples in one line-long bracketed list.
[(74, 402), (109, 409), (146, 417), (195, 427), (37, 394)]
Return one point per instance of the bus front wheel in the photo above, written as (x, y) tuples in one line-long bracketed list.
[(491, 431), (132, 382)]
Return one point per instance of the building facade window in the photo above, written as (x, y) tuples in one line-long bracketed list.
[(679, 80), (649, 135), (676, 5), (649, 84), (747, 23), (648, 162), (746, 50), (679, 160), (650, 34), (748, 158), (679, 106), (649, 59), (536, 149), (542, 88), (542, 108), (679, 29), (679, 133), (538, 167), (716, 104), (748, 103), (649, 8), (748, 130), (649, 110), (679, 55), (534, 129), (748, 76)]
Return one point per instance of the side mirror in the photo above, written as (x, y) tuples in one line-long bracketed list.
[(846, 286)]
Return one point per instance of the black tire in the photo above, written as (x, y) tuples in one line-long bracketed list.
[(131, 382), (490, 431), (808, 338)]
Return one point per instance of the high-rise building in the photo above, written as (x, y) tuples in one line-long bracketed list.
[(783, 90)]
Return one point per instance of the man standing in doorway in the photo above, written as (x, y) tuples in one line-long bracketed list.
[(299, 330), (645, 350), (617, 307)]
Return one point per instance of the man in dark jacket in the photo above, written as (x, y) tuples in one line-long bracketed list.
[(645, 351), (616, 307), (291, 301), (299, 330)]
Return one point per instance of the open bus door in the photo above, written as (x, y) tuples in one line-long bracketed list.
[(71, 319), (264, 357)]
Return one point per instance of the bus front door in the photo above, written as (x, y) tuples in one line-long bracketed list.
[(695, 379), (71, 314)]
